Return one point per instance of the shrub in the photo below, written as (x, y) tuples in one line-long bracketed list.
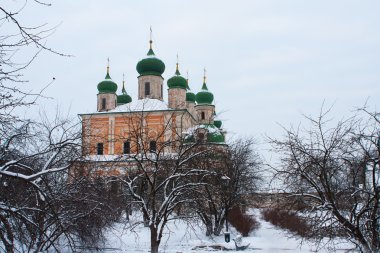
[(287, 220), (242, 222)]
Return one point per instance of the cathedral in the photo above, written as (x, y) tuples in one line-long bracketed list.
[(123, 125)]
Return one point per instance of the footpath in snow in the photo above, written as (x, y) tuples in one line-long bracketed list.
[(184, 238)]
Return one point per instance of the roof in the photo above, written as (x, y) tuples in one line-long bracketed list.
[(140, 105), (214, 135), (146, 104), (127, 157)]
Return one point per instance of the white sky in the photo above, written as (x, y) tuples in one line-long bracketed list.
[(268, 61)]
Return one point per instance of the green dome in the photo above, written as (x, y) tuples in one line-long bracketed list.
[(177, 81), (215, 137), (107, 85), (214, 134), (218, 123), (190, 97), (150, 65), (124, 98), (204, 96)]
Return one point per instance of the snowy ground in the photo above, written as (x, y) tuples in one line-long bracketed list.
[(183, 238)]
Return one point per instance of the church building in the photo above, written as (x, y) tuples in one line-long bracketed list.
[(122, 125)]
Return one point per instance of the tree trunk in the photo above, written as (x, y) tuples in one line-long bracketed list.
[(8, 246), (146, 220), (7, 236), (218, 226), (154, 243), (209, 228), (154, 247)]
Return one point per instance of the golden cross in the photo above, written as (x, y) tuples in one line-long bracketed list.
[(150, 41)]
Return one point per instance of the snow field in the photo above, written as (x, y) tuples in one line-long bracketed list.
[(187, 237)]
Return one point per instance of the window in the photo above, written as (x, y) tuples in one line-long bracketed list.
[(100, 148), (201, 136), (104, 103), (127, 147), (152, 146), (162, 93), (202, 115), (147, 88)]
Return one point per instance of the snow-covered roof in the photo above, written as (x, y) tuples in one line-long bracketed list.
[(210, 128), (146, 104), (140, 105), (128, 157), (102, 158)]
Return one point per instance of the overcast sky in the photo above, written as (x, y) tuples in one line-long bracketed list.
[(268, 61)]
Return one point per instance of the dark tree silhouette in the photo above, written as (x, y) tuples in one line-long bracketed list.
[(334, 170)]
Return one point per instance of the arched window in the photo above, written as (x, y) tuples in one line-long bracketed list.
[(104, 101), (202, 115), (127, 147), (100, 148), (147, 89), (152, 146), (201, 136)]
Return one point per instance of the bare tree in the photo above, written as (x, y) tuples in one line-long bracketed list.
[(30, 156), (166, 182), (19, 39), (38, 205), (154, 170), (334, 170), (235, 177)]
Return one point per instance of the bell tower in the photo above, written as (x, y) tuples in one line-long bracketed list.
[(177, 90), (205, 109), (150, 80), (107, 93)]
